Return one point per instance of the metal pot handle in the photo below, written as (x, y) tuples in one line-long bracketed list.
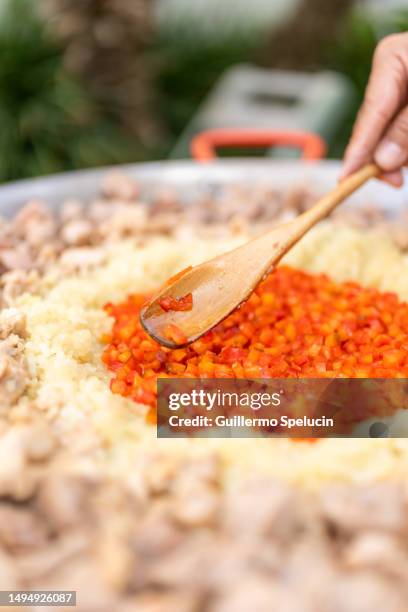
[(203, 146)]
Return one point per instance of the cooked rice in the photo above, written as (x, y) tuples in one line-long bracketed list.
[(69, 383)]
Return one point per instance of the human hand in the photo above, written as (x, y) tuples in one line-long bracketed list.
[(381, 130)]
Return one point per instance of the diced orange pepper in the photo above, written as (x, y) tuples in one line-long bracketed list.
[(172, 332), (294, 324)]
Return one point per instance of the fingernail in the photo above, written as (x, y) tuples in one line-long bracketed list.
[(389, 155), (344, 171), (352, 161), (347, 169)]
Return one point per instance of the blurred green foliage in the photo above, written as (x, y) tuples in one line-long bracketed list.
[(48, 121), (187, 69)]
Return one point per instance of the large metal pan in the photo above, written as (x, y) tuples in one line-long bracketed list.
[(191, 178)]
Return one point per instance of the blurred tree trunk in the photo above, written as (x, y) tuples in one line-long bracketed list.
[(106, 44), (299, 43)]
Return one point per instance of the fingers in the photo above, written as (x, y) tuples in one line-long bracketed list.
[(386, 94), (392, 152)]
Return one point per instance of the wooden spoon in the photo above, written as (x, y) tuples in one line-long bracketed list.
[(220, 285)]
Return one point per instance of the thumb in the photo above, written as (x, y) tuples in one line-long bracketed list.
[(392, 152)]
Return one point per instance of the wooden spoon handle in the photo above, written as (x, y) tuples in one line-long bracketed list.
[(325, 205)]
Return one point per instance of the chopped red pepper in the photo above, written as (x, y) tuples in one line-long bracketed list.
[(182, 303), (173, 332), (294, 325)]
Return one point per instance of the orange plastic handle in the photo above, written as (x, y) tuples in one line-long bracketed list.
[(203, 146)]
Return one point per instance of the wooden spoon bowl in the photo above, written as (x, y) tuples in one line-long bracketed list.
[(220, 285)]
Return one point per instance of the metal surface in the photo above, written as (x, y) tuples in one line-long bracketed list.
[(192, 178)]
